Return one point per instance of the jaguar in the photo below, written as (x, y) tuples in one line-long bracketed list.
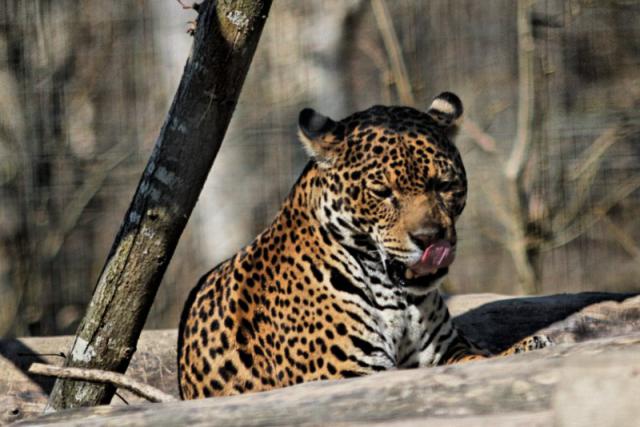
[(345, 280)]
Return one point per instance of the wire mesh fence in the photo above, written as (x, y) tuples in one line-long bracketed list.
[(550, 140)]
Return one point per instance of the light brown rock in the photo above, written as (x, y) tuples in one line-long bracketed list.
[(527, 389), (452, 392)]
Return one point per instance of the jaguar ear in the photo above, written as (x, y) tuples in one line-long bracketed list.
[(317, 133), (446, 109)]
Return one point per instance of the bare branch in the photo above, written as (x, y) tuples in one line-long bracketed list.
[(485, 141), (589, 219), (519, 153), (623, 238), (195, 6), (401, 77), (379, 58), (394, 50), (584, 175), (500, 209), (519, 243), (590, 158), (92, 184), (145, 391)]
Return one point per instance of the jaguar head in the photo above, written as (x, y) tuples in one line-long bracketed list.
[(391, 182)]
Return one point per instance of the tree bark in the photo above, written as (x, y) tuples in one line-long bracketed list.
[(225, 40)]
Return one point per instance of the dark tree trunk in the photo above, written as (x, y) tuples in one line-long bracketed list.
[(225, 40)]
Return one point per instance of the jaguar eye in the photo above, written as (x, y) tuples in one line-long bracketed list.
[(382, 192)]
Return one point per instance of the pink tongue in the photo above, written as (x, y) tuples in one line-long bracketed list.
[(438, 255)]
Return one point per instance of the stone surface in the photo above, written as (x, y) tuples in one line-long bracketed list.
[(527, 389), (604, 395), (494, 320)]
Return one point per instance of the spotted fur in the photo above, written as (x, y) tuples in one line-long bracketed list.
[(323, 292)]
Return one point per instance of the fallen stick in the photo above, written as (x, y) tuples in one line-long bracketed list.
[(145, 391)]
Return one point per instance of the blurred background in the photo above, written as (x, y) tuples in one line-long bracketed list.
[(551, 138)]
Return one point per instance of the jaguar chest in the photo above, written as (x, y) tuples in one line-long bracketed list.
[(388, 322)]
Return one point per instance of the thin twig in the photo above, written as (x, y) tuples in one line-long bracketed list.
[(119, 396), (92, 184), (401, 77), (591, 157), (590, 218), (381, 61), (522, 144), (145, 391), (584, 174), (394, 50), (194, 6), (485, 141), (622, 237)]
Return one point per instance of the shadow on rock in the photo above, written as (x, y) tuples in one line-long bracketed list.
[(564, 317)]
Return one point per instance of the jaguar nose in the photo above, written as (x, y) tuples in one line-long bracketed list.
[(428, 235)]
